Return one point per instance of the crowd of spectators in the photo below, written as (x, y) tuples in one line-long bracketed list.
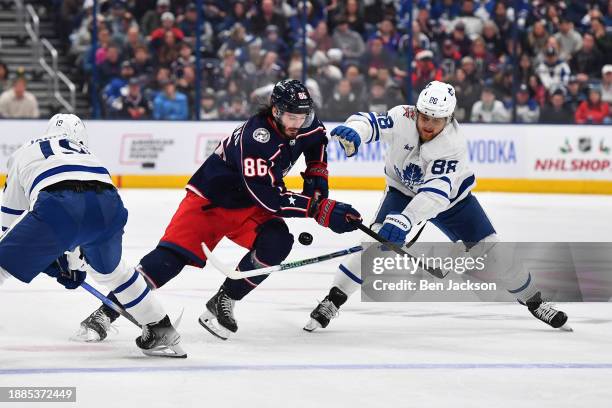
[(546, 61)]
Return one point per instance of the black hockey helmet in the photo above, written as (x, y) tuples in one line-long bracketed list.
[(290, 95)]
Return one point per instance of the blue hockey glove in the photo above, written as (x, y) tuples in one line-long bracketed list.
[(337, 216), (69, 278), (348, 138), (315, 180), (395, 228)]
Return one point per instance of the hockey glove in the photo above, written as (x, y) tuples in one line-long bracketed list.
[(69, 278), (339, 217), (315, 180), (395, 228), (349, 139)]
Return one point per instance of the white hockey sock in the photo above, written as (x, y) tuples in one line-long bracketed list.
[(132, 291), (348, 275), (508, 271), (522, 287)]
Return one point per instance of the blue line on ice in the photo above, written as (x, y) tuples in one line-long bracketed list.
[(300, 367)]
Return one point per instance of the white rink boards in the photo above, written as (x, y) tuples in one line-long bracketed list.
[(373, 355)]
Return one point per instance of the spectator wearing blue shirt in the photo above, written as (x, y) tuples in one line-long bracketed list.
[(441, 9), (170, 104), (388, 35), (527, 109), (273, 42), (113, 89)]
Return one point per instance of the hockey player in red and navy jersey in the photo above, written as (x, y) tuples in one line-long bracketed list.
[(239, 193)]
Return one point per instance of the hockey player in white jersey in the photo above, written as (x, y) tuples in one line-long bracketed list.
[(61, 215), (428, 179)]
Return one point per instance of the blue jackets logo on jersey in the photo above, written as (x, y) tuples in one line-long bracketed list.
[(262, 135), (411, 175)]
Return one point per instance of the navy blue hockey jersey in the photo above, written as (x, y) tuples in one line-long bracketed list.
[(247, 168)]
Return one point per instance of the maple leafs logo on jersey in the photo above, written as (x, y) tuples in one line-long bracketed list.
[(411, 175)]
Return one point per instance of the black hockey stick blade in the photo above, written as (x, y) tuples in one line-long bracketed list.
[(109, 303)]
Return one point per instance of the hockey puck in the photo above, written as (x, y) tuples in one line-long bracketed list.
[(305, 238)]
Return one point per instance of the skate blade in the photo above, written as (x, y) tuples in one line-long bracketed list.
[(206, 320), (312, 325), (175, 351), (85, 335), (566, 328)]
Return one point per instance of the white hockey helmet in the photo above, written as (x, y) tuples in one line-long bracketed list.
[(437, 100), (68, 125)]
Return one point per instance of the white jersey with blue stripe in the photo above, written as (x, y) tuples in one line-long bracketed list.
[(435, 173), (41, 163)]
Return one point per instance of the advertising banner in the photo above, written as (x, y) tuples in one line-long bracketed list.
[(504, 157)]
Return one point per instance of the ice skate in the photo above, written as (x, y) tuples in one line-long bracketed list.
[(326, 310), (545, 312), (160, 339), (96, 326), (220, 308)]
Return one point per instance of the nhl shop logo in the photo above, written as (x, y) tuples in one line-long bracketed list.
[(584, 144)]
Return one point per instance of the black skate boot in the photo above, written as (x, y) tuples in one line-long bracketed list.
[(545, 312), (97, 325), (326, 310), (221, 308), (160, 339)]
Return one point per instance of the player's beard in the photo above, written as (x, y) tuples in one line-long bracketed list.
[(427, 133), (288, 133), (291, 133)]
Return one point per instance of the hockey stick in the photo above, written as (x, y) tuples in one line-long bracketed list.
[(110, 303), (417, 235), (234, 274), (437, 272)]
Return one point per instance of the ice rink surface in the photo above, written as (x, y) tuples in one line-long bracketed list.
[(373, 355)]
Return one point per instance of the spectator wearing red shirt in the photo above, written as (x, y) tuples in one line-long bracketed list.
[(167, 24), (425, 71), (593, 110)]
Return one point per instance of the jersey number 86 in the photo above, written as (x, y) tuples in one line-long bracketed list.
[(255, 168)]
